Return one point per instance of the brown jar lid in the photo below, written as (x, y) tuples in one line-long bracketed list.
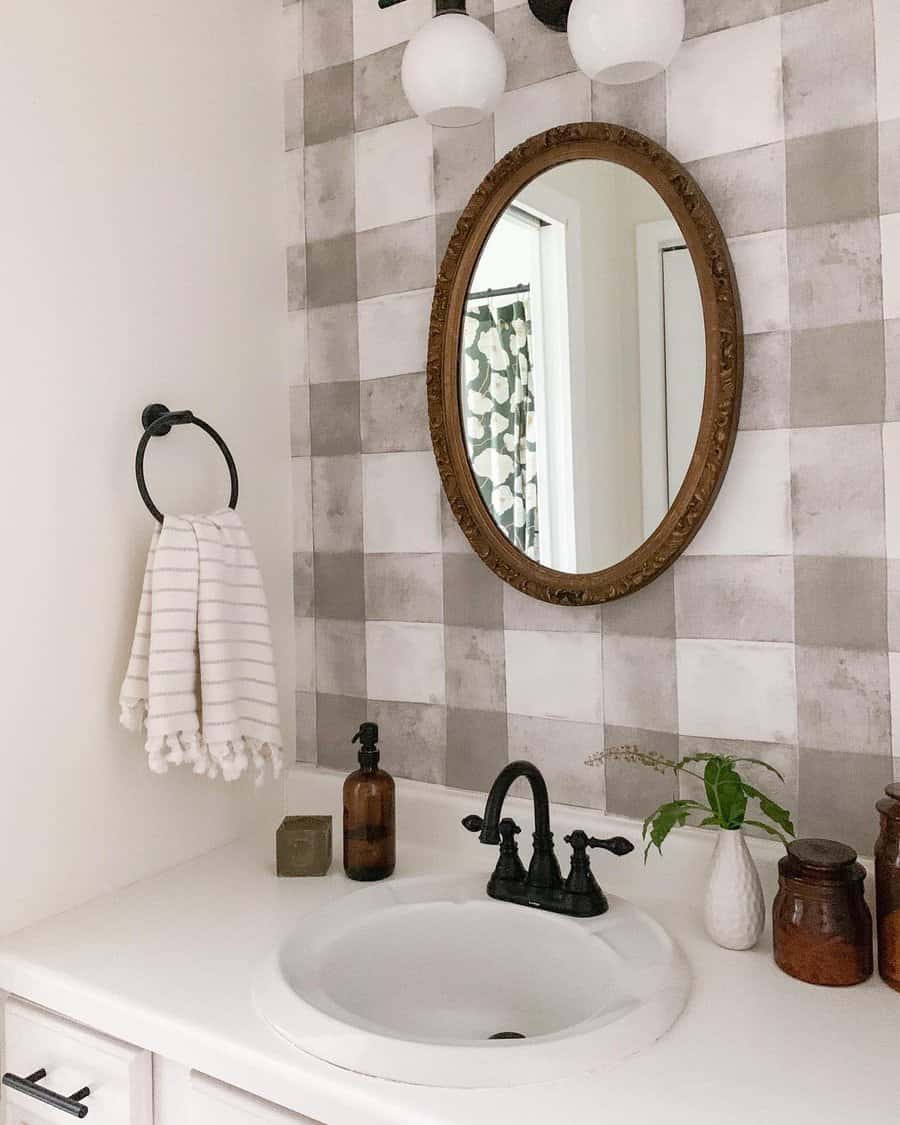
[(890, 803), (820, 861)]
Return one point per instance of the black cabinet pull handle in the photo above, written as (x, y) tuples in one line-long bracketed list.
[(73, 1104)]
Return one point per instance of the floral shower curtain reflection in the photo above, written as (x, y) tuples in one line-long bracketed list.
[(499, 417)]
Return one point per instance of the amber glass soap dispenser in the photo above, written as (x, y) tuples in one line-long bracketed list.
[(369, 826)]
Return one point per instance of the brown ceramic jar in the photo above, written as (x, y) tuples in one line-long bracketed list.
[(821, 924), (887, 887)]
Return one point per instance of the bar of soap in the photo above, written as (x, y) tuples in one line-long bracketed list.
[(303, 846)]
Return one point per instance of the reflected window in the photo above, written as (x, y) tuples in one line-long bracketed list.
[(500, 367), (516, 361)]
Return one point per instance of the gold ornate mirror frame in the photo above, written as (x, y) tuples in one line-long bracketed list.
[(724, 360)]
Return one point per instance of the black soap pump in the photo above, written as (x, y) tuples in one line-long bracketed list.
[(369, 816)]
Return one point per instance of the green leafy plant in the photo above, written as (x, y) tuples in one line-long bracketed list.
[(727, 794)]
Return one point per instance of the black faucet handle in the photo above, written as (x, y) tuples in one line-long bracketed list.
[(618, 845), (509, 866), (580, 842), (507, 828)]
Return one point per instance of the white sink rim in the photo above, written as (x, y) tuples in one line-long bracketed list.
[(658, 984)]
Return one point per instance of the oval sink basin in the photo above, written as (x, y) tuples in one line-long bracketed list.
[(429, 981)]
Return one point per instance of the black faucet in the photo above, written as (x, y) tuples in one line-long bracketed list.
[(542, 885)]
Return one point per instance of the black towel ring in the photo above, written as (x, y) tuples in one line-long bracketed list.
[(157, 421)]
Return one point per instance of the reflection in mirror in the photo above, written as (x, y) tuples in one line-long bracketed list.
[(582, 366)]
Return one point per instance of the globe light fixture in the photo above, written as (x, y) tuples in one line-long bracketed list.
[(620, 41), (453, 70)]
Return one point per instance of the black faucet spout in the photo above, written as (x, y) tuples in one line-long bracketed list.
[(490, 831)]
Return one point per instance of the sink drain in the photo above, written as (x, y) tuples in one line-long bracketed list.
[(508, 1035)]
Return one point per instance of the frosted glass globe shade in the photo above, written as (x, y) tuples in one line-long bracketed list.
[(619, 41), (453, 71)]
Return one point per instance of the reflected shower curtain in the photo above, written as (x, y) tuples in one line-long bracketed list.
[(498, 397)]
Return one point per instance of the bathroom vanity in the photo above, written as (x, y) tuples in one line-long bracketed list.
[(128, 1084), (147, 997)]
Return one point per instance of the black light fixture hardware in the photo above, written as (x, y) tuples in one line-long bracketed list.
[(440, 6), (552, 13), (157, 421), (542, 886), (73, 1104)]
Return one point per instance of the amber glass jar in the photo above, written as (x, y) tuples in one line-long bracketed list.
[(369, 814), (887, 887), (821, 924)]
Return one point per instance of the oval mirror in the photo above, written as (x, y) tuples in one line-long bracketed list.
[(585, 364)]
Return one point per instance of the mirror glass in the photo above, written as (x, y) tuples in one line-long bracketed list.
[(582, 366)]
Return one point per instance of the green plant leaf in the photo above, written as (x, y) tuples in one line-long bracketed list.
[(686, 804), (690, 758), (768, 828), (765, 766), (725, 792), (661, 822), (773, 811), (780, 815)]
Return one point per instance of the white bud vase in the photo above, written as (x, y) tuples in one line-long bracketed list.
[(734, 912)]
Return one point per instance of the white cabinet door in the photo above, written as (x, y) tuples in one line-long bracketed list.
[(118, 1075), (213, 1103)]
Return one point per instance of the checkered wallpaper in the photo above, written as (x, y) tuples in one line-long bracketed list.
[(778, 635)]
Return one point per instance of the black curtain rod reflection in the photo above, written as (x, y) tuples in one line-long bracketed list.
[(488, 293)]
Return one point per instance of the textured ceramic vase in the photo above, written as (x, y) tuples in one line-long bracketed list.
[(734, 912)]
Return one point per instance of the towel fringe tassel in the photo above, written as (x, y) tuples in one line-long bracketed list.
[(133, 714), (230, 758)]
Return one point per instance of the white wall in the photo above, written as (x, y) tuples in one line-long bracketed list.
[(599, 429), (637, 202), (609, 202), (141, 260)]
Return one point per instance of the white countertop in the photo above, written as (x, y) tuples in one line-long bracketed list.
[(167, 964)]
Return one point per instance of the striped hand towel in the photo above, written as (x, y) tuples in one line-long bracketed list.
[(201, 678)]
